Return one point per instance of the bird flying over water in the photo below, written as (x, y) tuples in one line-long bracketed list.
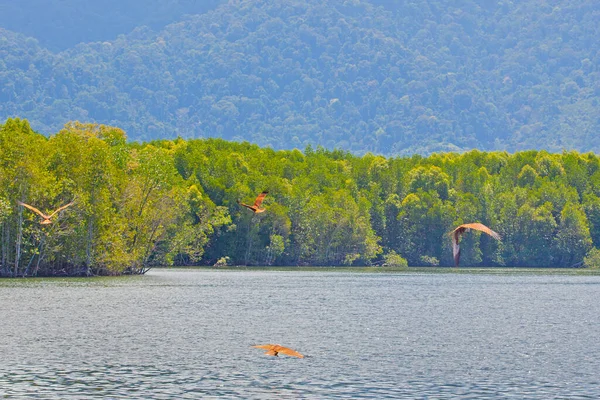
[(458, 232), (46, 218), (256, 206), (275, 349)]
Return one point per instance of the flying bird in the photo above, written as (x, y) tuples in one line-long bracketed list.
[(256, 206), (458, 232), (275, 349), (46, 218)]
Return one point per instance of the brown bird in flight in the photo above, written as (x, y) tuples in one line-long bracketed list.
[(256, 206), (458, 232), (275, 349), (46, 218)]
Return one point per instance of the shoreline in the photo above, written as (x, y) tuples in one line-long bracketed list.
[(330, 269), (409, 270)]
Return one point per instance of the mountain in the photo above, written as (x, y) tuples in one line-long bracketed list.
[(391, 78), (59, 25)]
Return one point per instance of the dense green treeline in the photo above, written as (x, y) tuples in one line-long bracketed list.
[(175, 203), (398, 79)]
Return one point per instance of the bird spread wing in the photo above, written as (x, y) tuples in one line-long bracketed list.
[(288, 351), (273, 349), (246, 205), (60, 209), (260, 199), (481, 227), (457, 233), (32, 208), (265, 346)]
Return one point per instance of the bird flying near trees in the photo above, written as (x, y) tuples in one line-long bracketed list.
[(46, 218), (458, 232), (275, 349), (256, 206)]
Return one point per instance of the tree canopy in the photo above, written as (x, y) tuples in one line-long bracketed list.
[(174, 202)]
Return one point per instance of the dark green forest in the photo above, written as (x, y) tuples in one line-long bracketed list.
[(391, 78), (174, 202)]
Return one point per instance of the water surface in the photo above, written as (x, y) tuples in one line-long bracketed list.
[(187, 334)]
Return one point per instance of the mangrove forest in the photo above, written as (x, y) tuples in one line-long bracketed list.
[(175, 202)]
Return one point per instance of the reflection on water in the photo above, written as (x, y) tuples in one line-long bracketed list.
[(187, 334)]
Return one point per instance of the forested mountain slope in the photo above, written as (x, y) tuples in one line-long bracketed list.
[(59, 25), (408, 77)]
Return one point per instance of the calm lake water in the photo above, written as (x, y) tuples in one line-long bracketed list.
[(187, 334)]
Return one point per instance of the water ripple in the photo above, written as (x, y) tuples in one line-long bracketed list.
[(187, 334)]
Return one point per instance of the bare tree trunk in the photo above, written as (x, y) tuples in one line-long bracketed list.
[(3, 261), (18, 242), (40, 254), (148, 251), (249, 240), (328, 248), (88, 247), (269, 257), (140, 212)]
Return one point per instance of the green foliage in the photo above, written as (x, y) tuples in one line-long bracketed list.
[(4, 209), (591, 206), (398, 79), (527, 176), (393, 259), (429, 179), (138, 205), (429, 261), (223, 262), (573, 239), (592, 259)]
